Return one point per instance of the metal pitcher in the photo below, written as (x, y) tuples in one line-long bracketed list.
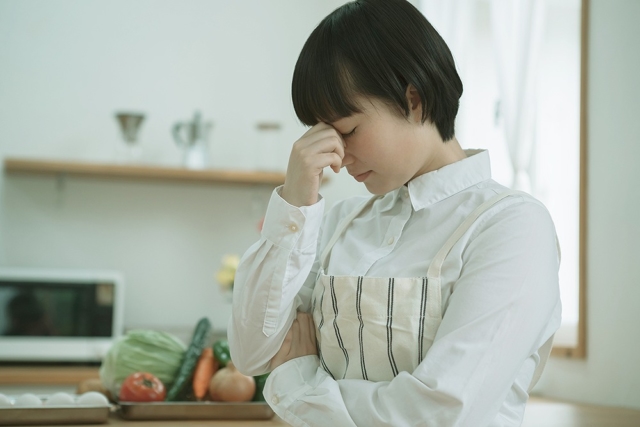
[(193, 138)]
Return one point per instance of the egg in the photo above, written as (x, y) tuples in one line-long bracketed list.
[(92, 398), (4, 401), (60, 399), (28, 400)]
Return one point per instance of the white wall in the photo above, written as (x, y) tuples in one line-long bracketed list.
[(611, 373), (67, 65)]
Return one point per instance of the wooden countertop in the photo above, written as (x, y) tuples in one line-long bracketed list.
[(115, 421), (540, 412), (46, 375)]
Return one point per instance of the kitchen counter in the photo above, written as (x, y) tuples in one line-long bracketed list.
[(540, 413)]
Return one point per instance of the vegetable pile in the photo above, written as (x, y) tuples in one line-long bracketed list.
[(157, 353), (150, 366)]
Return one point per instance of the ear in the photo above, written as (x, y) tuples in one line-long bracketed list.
[(414, 102)]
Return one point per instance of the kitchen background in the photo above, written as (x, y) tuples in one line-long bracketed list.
[(67, 66)]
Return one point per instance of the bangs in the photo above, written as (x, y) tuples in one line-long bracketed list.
[(323, 89)]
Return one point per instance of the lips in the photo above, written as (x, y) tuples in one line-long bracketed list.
[(361, 177)]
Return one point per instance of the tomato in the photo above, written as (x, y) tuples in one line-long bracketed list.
[(142, 387)]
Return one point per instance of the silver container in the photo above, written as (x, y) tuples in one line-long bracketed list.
[(195, 411)]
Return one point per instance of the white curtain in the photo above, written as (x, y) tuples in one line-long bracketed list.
[(517, 29), (454, 20)]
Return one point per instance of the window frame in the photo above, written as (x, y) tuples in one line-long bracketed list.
[(579, 351)]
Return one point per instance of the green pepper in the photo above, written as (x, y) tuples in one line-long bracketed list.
[(221, 352), (260, 381)]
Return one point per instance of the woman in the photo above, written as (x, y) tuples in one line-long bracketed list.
[(431, 303)]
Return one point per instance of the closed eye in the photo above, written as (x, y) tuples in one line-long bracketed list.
[(345, 135)]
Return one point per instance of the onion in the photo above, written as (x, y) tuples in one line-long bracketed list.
[(229, 385)]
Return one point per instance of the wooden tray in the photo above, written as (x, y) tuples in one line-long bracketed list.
[(195, 411), (54, 415)]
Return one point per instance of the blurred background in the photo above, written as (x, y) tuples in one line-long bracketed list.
[(217, 73)]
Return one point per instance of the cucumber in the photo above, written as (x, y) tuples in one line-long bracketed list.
[(189, 361)]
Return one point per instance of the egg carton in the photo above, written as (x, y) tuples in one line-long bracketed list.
[(58, 408)]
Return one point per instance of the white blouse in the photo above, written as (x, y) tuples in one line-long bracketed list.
[(500, 298)]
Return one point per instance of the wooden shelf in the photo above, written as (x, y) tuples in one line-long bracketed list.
[(140, 172)]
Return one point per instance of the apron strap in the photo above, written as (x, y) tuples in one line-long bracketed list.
[(340, 229), (434, 297)]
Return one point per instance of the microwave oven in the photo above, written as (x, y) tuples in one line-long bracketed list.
[(59, 315)]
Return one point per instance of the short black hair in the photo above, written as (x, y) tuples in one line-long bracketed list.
[(376, 48)]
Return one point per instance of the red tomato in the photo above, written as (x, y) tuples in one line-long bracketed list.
[(142, 387)]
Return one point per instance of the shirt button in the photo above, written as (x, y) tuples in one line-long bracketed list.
[(405, 194), (293, 228), (391, 240), (275, 400)]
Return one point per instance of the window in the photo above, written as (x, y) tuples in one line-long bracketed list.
[(524, 101)]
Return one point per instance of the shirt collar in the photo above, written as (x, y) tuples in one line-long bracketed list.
[(437, 185)]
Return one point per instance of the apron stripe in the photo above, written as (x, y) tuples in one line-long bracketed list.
[(321, 311), (394, 367), (335, 325), (359, 312), (423, 308), (324, 365)]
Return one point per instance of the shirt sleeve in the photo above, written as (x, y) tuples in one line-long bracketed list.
[(273, 280), (503, 307)]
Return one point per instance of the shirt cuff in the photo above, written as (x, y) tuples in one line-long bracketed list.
[(289, 381), (290, 226)]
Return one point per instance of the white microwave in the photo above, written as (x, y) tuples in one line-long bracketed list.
[(59, 315)]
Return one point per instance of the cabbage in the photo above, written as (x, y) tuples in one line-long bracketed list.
[(158, 353)]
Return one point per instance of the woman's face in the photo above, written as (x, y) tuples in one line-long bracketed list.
[(385, 150)]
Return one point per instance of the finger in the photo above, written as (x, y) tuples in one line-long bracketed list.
[(302, 318), (295, 331), (302, 323), (312, 330), (331, 133), (309, 335), (325, 142), (318, 127), (286, 344), (306, 151), (282, 355), (336, 162), (321, 161)]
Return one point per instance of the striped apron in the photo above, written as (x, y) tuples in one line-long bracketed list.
[(372, 328)]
